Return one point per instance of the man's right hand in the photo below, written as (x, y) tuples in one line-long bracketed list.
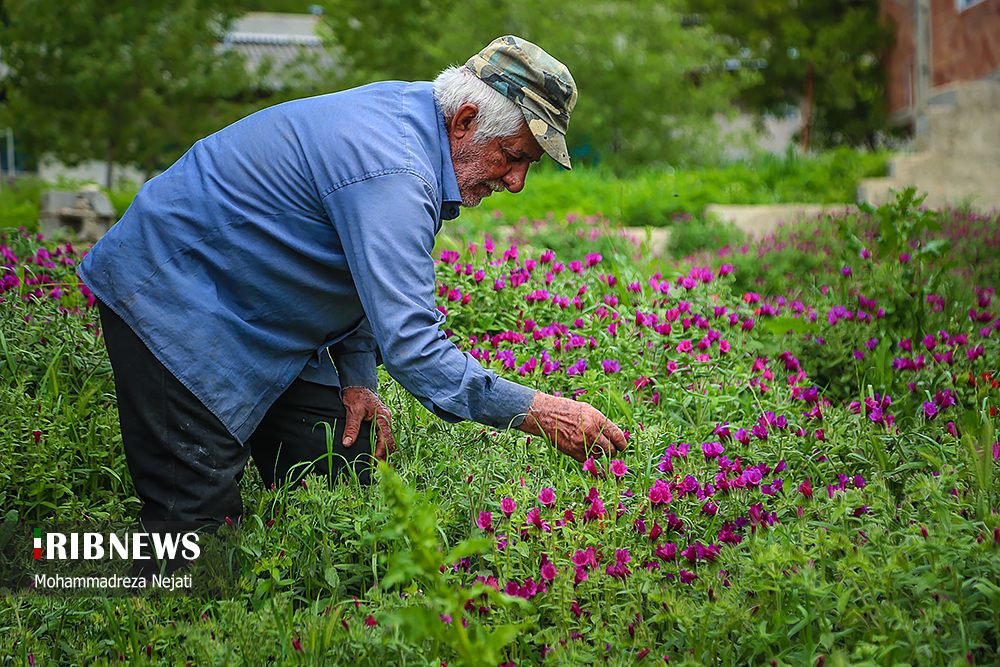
[(577, 429)]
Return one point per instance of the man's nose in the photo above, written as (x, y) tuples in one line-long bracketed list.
[(514, 180)]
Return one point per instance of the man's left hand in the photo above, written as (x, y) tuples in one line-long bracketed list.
[(363, 405)]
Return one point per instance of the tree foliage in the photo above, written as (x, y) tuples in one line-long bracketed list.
[(832, 46), (650, 86), (117, 80)]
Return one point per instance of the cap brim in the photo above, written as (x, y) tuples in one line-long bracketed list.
[(552, 141)]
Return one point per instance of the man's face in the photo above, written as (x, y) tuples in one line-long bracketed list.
[(498, 165)]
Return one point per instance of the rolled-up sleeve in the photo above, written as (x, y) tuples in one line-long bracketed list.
[(356, 358), (386, 224)]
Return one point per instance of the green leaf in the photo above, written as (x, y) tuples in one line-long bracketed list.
[(779, 326), (332, 578)]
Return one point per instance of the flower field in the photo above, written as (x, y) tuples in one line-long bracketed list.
[(811, 476)]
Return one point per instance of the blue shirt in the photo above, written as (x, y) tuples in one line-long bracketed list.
[(306, 226)]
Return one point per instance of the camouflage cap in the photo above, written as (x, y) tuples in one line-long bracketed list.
[(541, 85)]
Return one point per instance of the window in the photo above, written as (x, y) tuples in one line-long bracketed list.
[(962, 5)]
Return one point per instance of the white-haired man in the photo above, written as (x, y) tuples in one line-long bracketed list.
[(247, 292)]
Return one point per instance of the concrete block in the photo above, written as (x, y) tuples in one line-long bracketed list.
[(86, 215)]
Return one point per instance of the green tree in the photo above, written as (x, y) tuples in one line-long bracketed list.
[(822, 56), (651, 86), (124, 81)]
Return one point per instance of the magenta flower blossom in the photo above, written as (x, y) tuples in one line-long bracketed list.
[(689, 485), (535, 519), (549, 571), (666, 552), (591, 466), (610, 366), (508, 506), (712, 449), (485, 521), (618, 468), (688, 577), (655, 531), (660, 493), (930, 409), (547, 496), (595, 511), (728, 536)]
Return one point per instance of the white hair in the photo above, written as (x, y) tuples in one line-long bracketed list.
[(498, 115)]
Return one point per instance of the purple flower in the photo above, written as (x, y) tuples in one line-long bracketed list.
[(666, 552), (595, 511), (508, 506), (549, 571), (485, 521), (688, 485), (618, 468), (930, 409), (610, 366), (712, 449), (688, 577), (660, 493), (547, 496)]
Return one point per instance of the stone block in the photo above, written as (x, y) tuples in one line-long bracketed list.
[(85, 215)]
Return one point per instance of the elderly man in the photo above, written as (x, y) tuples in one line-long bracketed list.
[(247, 292)]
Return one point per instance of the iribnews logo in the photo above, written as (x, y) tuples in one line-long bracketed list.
[(130, 546)]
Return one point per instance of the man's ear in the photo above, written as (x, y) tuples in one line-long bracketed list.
[(463, 123)]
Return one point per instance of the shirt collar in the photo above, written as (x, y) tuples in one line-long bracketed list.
[(452, 196)]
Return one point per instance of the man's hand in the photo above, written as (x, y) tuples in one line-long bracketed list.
[(577, 429), (363, 405)]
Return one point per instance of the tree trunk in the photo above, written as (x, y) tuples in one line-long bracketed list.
[(807, 107), (109, 165)]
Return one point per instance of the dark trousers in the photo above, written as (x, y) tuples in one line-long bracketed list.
[(186, 466)]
